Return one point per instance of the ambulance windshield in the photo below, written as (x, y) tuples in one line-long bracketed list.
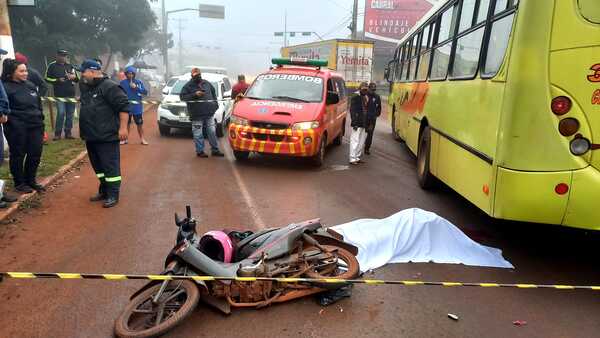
[(287, 87)]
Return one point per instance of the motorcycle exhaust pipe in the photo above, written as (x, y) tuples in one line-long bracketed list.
[(191, 255)]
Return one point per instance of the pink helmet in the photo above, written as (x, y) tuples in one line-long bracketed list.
[(217, 245)]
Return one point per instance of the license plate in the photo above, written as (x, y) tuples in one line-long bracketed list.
[(184, 119)]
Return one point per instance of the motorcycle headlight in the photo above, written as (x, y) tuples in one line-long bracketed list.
[(239, 121), (306, 125)]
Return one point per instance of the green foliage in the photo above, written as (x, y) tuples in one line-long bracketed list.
[(85, 28)]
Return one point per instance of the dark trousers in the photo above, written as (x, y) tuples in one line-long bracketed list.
[(105, 158), (25, 142), (371, 122)]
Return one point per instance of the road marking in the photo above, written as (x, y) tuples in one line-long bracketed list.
[(252, 208)]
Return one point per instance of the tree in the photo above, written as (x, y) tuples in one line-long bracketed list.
[(85, 28)]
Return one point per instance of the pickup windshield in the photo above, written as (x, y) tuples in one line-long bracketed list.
[(287, 87)]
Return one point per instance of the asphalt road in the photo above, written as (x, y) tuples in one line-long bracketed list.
[(66, 233)]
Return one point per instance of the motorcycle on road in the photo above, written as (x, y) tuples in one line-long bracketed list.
[(300, 250)]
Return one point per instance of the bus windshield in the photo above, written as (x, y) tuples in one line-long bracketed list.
[(287, 87)]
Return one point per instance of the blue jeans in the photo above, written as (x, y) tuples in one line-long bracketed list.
[(211, 131), (64, 117)]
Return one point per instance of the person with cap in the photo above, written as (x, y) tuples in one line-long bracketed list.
[(62, 75), (373, 112), (24, 127), (102, 124), (34, 76), (135, 90), (201, 97), (359, 106), (240, 87), (4, 111)]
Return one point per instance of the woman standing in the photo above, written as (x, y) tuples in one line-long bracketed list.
[(24, 129)]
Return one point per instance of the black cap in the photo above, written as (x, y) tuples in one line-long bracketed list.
[(62, 52)]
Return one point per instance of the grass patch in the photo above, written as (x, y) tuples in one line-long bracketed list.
[(54, 156)]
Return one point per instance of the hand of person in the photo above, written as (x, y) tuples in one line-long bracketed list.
[(200, 93), (132, 85), (71, 76), (3, 119), (62, 79), (123, 134)]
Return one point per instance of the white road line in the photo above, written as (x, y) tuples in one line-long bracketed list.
[(252, 208)]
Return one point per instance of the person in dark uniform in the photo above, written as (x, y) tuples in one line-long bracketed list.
[(102, 124), (34, 76), (63, 76), (373, 112), (25, 126), (4, 111)]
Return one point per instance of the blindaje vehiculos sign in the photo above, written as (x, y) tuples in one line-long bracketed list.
[(390, 20)]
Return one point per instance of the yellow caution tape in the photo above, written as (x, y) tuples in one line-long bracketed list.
[(116, 277)]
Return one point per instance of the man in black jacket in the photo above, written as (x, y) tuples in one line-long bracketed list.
[(358, 113), (202, 113), (102, 124), (373, 112), (61, 74)]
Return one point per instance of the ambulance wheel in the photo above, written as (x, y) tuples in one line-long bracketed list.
[(319, 158), (426, 179), (164, 130), (338, 140), (241, 155), (220, 131)]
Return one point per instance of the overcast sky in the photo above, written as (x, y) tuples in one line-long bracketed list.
[(245, 37)]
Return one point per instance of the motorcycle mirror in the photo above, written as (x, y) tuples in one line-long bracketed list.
[(177, 220), (188, 211)]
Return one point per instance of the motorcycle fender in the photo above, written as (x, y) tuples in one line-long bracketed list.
[(326, 238)]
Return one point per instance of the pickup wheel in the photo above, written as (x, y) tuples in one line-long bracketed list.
[(164, 130)]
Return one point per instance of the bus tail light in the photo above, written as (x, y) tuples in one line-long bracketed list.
[(562, 189), (561, 105), (580, 146), (568, 126)]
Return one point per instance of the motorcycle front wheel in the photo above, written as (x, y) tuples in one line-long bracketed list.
[(143, 318), (342, 264)]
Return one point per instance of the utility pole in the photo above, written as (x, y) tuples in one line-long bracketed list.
[(355, 21), (285, 29), (180, 44), (165, 39)]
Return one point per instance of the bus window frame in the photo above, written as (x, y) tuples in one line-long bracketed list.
[(512, 9), (454, 5)]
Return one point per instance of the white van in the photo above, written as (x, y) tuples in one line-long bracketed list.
[(172, 112)]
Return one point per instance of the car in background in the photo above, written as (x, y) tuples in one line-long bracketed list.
[(173, 114), (167, 88)]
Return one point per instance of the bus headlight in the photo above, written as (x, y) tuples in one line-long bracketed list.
[(306, 125), (239, 121), (580, 146)]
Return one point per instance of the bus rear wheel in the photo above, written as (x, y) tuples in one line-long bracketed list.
[(426, 179)]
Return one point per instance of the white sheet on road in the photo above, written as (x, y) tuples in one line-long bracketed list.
[(418, 236)]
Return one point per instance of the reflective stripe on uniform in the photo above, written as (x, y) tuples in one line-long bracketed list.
[(113, 179), (100, 175)]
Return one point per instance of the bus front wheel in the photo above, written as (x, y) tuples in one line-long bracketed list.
[(426, 179)]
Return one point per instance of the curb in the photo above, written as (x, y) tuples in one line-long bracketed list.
[(4, 214)]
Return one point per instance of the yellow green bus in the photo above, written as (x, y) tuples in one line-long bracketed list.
[(500, 100)]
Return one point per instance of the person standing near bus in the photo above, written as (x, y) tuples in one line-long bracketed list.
[(373, 112), (63, 77), (135, 90), (359, 106), (240, 87)]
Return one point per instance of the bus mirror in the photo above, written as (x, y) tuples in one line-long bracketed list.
[(333, 98)]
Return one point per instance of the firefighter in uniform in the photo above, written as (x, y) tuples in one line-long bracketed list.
[(102, 124)]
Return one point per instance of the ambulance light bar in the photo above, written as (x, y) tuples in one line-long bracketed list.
[(295, 61)]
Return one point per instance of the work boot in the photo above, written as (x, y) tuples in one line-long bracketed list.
[(9, 198), (110, 202), (37, 187), (24, 188), (68, 136), (98, 198), (202, 155), (217, 153), (56, 137)]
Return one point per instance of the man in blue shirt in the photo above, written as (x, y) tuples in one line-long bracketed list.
[(135, 91)]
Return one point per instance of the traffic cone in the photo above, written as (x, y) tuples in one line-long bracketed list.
[(45, 137)]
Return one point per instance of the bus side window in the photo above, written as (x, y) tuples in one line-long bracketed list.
[(441, 54), (499, 36)]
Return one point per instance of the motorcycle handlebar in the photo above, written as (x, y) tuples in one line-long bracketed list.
[(188, 211)]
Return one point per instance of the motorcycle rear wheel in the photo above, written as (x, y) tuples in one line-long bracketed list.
[(349, 270), (138, 320)]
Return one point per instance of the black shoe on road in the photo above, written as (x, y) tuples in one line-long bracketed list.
[(218, 154), (202, 155), (24, 188), (9, 198), (98, 198), (110, 202), (37, 187)]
